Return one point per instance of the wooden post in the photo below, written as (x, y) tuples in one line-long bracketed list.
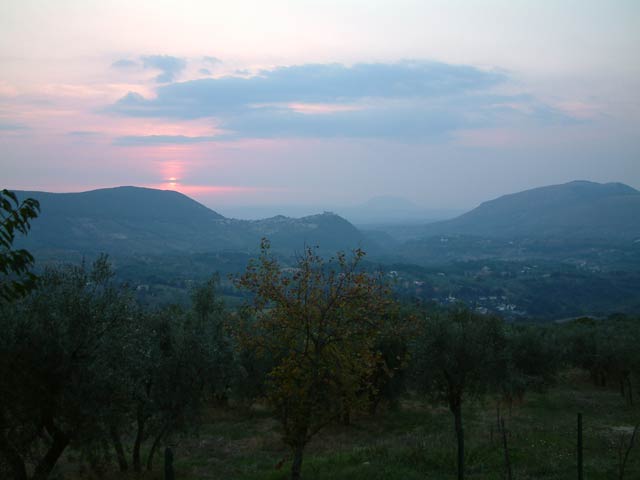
[(507, 460), (580, 466), (168, 464)]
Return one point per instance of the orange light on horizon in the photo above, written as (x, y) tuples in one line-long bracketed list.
[(172, 181)]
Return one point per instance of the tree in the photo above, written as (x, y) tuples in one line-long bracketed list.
[(15, 217), (318, 322), (388, 378), (54, 353), (606, 349), (176, 358), (458, 354), (531, 361), (210, 336)]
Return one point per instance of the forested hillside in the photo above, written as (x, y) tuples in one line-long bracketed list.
[(577, 210), (142, 221)]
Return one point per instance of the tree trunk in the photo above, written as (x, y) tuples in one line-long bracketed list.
[(296, 466), (45, 466), (373, 406), (346, 417), (154, 446), (13, 458), (456, 409), (117, 446), (507, 460), (140, 421), (624, 459)]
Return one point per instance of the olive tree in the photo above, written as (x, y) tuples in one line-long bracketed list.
[(53, 359), (456, 355), (176, 358), (531, 362)]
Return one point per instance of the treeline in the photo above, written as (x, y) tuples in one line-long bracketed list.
[(85, 369)]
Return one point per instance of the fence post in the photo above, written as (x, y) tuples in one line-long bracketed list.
[(507, 461), (580, 468), (168, 464)]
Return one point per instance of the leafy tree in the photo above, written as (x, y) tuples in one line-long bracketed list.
[(582, 348), (318, 322), (250, 381), (209, 329), (176, 359), (15, 217), (606, 349), (388, 378), (458, 354), (532, 359), (54, 352)]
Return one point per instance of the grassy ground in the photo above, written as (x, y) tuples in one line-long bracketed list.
[(416, 441)]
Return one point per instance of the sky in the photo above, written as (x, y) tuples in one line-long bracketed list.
[(446, 103)]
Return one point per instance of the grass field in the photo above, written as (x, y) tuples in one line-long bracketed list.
[(416, 441)]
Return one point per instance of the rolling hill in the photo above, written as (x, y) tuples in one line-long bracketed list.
[(578, 210), (139, 221), (133, 220)]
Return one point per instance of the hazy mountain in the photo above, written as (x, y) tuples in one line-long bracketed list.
[(259, 212), (575, 210), (132, 220), (375, 212), (389, 210)]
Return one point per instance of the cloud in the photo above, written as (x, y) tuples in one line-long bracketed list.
[(83, 133), (204, 71), (168, 65), (391, 121), (425, 119), (144, 140), (211, 60), (124, 64), (11, 126), (313, 83), (409, 99)]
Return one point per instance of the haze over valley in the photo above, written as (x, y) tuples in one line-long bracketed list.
[(503, 256)]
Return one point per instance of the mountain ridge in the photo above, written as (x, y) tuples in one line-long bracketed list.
[(143, 220), (576, 209), (136, 220)]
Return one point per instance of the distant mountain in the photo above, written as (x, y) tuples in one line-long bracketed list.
[(374, 213), (575, 210), (125, 203), (133, 220)]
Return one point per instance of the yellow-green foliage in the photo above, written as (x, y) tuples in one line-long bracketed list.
[(319, 322)]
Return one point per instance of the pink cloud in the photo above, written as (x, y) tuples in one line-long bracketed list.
[(322, 108), (579, 110)]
